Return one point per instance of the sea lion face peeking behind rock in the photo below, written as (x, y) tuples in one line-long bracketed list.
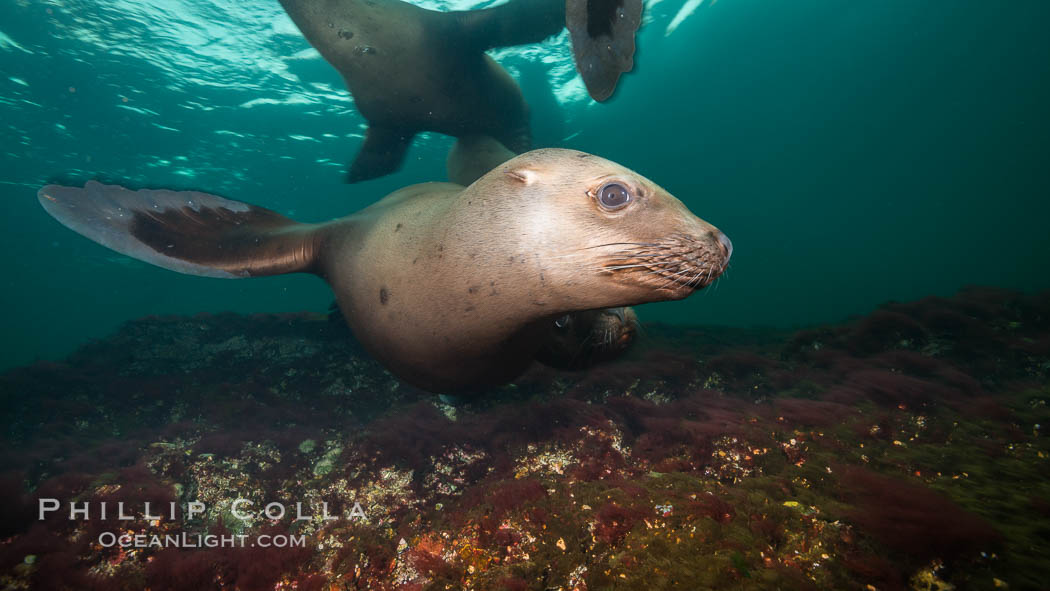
[(452, 288), (584, 339)]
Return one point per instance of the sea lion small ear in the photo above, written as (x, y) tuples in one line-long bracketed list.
[(524, 175)]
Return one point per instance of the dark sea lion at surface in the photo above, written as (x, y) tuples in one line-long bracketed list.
[(451, 288), (410, 69), (603, 34), (583, 339)]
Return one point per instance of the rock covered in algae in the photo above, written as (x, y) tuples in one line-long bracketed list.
[(903, 450)]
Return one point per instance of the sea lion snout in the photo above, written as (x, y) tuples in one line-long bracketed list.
[(727, 245)]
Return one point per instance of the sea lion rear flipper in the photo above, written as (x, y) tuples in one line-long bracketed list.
[(602, 34), (382, 153), (186, 231), (516, 22)]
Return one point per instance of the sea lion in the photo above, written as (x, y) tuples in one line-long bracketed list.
[(603, 33), (583, 339), (410, 69), (451, 288)]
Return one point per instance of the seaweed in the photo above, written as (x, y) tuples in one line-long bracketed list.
[(912, 520), (838, 457)]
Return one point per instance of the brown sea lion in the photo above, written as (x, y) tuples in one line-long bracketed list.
[(451, 288), (582, 339), (410, 69)]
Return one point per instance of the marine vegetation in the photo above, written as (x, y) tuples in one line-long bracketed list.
[(902, 450)]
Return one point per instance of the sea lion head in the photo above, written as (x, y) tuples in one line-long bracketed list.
[(600, 234), (583, 339)]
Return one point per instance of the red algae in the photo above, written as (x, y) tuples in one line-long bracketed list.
[(883, 330), (887, 388), (911, 519), (176, 570), (812, 413), (854, 456), (615, 521)]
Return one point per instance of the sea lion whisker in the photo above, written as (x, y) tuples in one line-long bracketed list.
[(658, 272), (681, 279), (655, 271), (582, 348), (646, 265), (674, 278), (623, 254), (640, 329), (620, 267), (692, 281), (620, 244), (641, 255), (628, 260), (696, 278), (667, 284)]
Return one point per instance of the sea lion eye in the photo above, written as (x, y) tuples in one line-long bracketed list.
[(613, 196), (562, 322)]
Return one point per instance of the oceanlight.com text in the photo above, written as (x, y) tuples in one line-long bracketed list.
[(184, 540)]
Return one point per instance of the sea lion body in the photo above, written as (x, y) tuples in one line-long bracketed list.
[(451, 288), (408, 276), (410, 69)]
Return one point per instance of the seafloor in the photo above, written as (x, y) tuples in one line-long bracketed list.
[(902, 450)]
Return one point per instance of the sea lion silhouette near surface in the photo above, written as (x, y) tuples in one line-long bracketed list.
[(451, 288), (603, 41), (410, 69)]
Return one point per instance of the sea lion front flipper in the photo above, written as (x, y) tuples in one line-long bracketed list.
[(186, 231), (474, 155), (516, 22), (382, 153), (602, 34)]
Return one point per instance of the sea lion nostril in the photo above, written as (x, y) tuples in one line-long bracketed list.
[(727, 245)]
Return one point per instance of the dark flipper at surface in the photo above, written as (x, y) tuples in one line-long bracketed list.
[(382, 153), (186, 231), (603, 33)]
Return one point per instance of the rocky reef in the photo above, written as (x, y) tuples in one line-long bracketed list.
[(901, 450)]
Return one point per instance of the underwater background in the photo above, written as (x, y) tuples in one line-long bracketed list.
[(859, 403), (855, 152)]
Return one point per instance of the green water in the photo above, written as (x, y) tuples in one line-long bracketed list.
[(855, 152)]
